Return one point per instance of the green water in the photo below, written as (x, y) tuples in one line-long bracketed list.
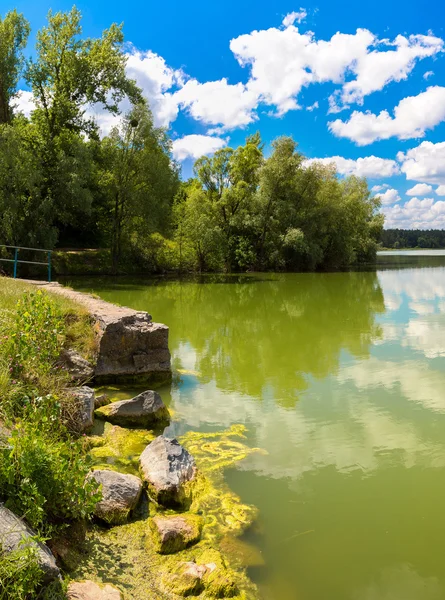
[(341, 378)]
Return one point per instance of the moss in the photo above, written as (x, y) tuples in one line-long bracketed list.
[(127, 556), (121, 448), (176, 532)]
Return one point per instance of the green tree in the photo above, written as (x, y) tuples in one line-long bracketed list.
[(14, 32), (139, 177)]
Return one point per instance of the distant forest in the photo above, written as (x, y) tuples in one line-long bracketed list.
[(413, 238)]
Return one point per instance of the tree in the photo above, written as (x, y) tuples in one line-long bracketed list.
[(70, 74), (14, 32), (139, 178)]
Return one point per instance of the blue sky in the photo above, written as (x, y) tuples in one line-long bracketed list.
[(362, 83)]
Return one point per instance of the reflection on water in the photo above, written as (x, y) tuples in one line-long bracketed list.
[(341, 378)]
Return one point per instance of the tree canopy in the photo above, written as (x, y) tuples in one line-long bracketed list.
[(62, 183)]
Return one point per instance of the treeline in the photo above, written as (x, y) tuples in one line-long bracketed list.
[(62, 184), (413, 238)]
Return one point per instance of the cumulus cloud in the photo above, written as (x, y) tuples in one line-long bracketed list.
[(368, 166), (428, 74), (155, 78), (194, 146), (440, 191), (420, 189), (412, 117), (425, 162), (390, 196), (282, 62), (218, 103), (416, 214), (379, 188), (298, 16)]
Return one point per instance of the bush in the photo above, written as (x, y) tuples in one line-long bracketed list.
[(43, 471), (20, 574)]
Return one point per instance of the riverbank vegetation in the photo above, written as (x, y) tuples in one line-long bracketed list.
[(42, 459), (413, 238), (64, 184)]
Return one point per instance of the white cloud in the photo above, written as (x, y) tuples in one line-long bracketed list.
[(379, 188), (368, 166), (425, 162), (298, 16), (377, 68), (440, 191), (428, 74), (412, 117), (420, 189), (218, 103), (24, 103), (313, 106), (194, 146), (155, 78), (416, 214), (391, 196)]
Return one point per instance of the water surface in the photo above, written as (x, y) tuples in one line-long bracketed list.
[(341, 378)]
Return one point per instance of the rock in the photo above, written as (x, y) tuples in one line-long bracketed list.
[(175, 533), (130, 347), (218, 579), (101, 400), (120, 495), (185, 579), (209, 574), (88, 590), (79, 368), (15, 534), (145, 410), (168, 469), (84, 398)]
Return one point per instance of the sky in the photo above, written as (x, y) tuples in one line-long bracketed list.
[(361, 84)]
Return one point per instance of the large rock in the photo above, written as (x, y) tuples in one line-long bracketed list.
[(84, 399), (145, 410), (168, 469), (120, 495), (175, 533), (129, 345), (78, 367), (88, 590), (15, 534)]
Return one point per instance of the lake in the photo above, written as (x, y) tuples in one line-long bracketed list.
[(340, 377)]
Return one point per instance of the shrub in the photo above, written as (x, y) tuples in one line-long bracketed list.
[(20, 574), (43, 471)]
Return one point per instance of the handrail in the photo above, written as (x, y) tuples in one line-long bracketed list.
[(16, 260)]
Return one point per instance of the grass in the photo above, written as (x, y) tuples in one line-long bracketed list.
[(43, 465)]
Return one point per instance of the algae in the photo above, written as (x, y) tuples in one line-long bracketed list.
[(126, 556), (120, 448)]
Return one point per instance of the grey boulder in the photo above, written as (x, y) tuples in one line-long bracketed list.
[(84, 399), (144, 410), (169, 471), (16, 535), (77, 366), (120, 495)]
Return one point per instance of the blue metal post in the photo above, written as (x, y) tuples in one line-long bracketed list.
[(16, 256), (49, 267)]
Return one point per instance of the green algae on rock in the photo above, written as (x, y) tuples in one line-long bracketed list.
[(119, 449), (126, 555), (144, 410), (120, 494), (175, 532)]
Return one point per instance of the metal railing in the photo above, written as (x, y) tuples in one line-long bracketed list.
[(16, 260)]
